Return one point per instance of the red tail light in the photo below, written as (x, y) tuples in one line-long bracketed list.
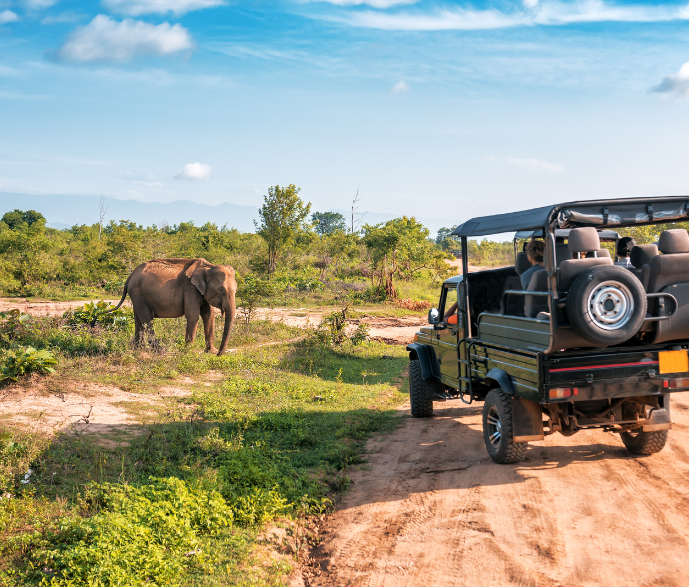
[(679, 383), (560, 392)]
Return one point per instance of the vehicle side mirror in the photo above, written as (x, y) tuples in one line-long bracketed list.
[(433, 316)]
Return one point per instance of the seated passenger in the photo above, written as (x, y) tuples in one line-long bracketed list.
[(534, 252), (451, 315), (624, 251)]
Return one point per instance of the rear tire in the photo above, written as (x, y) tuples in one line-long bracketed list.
[(420, 406), (644, 443), (498, 429)]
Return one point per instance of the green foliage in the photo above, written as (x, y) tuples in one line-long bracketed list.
[(444, 239), (253, 291), (488, 253), (328, 222), (396, 245), (18, 219), (19, 362), (281, 220), (145, 535), (96, 311)]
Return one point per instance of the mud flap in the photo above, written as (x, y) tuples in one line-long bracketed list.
[(660, 418), (527, 420)]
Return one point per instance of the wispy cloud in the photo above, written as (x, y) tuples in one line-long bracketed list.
[(63, 17), (104, 39), (676, 85), (382, 4), (530, 164), (195, 171), (547, 13), (39, 4), (8, 16), (139, 7), (400, 87)]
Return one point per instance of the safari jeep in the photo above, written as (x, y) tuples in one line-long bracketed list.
[(587, 344)]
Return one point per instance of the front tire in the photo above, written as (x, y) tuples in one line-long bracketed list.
[(639, 442), (498, 429), (420, 406)]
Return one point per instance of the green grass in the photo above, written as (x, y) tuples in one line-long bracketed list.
[(271, 438)]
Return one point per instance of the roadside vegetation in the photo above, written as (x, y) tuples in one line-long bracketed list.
[(261, 438)]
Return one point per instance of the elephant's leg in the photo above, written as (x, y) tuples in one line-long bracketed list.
[(192, 314), (208, 326), (138, 331), (145, 316)]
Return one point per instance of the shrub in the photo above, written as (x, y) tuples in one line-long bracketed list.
[(20, 362), (96, 311), (140, 535)]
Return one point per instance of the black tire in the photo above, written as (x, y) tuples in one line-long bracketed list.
[(498, 429), (606, 304), (420, 406), (639, 442)]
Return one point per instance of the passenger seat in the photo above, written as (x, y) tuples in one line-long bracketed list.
[(641, 255), (670, 267), (581, 240), (522, 263)]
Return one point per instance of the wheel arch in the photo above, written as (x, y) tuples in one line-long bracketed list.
[(428, 361), (498, 378)]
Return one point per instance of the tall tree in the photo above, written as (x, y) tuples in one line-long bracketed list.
[(18, 219), (328, 222), (281, 219)]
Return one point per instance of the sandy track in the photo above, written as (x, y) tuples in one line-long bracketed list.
[(431, 509)]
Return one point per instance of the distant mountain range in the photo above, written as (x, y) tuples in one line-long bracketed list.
[(66, 211)]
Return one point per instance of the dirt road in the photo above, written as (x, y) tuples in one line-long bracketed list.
[(431, 509)]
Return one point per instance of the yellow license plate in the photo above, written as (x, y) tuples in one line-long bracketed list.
[(673, 362)]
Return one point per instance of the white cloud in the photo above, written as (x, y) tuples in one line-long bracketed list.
[(104, 39), (676, 85), (552, 13), (194, 171), (530, 164), (63, 17), (374, 3), (139, 7), (400, 87), (8, 16)]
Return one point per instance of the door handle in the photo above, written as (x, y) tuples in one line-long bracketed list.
[(453, 332)]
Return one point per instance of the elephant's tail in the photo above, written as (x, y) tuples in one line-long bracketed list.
[(124, 295)]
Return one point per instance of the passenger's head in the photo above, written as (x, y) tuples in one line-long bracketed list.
[(625, 246), (534, 251)]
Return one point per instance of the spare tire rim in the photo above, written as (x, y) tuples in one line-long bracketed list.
[(611, 305), (494, 427)]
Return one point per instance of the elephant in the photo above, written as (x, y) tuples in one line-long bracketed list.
[(171, 288)]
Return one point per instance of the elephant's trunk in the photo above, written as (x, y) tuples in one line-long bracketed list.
[(229, 310)]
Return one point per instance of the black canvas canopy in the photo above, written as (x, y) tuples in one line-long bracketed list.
[(598, 213)]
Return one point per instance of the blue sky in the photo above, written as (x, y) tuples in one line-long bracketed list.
[(432, 108)]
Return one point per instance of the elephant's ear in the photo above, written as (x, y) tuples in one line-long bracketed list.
[(198, 279)]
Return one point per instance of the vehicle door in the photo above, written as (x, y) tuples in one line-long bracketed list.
[(447, 338)]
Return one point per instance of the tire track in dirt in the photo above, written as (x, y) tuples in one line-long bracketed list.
[(430, 508)]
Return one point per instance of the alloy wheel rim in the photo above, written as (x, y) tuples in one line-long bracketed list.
[(494, 427)]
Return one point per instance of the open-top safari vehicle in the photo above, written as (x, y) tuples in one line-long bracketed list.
[(587, 344)]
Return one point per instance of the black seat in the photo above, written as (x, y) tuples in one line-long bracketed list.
[(581, 240), (522, 263), (669, 273), (535, 305), (641, 255), (562, 253)]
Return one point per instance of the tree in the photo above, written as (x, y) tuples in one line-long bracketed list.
[(328, 222), (281, 219), (445, 240), (394, 246), (19, 219)]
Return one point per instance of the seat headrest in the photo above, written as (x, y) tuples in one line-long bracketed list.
[(675, 240), (583, 240), (522, 263), (642, 254), (599, 253)]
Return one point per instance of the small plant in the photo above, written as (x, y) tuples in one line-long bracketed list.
[(96, 311), (360, 334), (17, 363), (252, 291)]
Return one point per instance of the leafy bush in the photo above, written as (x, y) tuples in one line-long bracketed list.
[(140, 535), (16, 363), (96, 311), (360, 334)]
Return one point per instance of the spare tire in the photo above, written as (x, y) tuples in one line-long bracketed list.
[(606, 304)]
